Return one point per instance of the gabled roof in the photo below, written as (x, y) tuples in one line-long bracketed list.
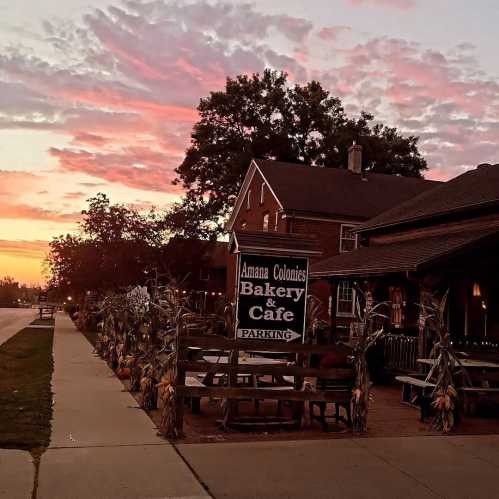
[(331, 192), (337, 191), (410, 255), (470, 191), (274, 243)]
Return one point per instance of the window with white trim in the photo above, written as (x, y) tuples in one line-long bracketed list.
[(262, 193), (266, 217), (248, 200), (345, 299), (348, 238)]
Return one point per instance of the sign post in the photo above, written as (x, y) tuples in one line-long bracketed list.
[(271, 297)]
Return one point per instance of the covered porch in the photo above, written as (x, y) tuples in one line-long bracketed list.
[(401, 272)]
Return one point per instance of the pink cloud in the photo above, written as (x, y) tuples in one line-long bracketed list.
[(89, 139), (332, 33), (128, 79), (134, 167)]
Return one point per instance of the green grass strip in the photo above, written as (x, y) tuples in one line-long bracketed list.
[(26, 367)]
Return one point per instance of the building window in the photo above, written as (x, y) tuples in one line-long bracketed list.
[(348, 239), (266, 217), (276, 226), (345, 299), (248, 200), (262, 193), (244, 224)]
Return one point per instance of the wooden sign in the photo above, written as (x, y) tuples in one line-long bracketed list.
[(271, 297)]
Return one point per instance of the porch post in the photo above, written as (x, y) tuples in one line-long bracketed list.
[(466, 309), (421, 325)]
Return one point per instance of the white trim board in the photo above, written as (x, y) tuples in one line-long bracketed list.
[(243, 192)]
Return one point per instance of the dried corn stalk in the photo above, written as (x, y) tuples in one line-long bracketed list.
[(367, 337), (445, 396)]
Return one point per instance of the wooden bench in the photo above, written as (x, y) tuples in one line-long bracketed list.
[(194, 402), (481, 390), (417, 392)]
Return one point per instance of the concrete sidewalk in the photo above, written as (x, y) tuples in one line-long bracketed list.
[(102, 444), (362, 468)]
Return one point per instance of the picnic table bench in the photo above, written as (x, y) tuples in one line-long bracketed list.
[(417, 392), (194, 402)]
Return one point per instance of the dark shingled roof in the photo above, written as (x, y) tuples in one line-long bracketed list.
[(338, 191), (474, 189), (275, 242), (411, 255)]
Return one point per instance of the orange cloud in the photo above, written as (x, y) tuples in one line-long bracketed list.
[(24, 249), (10, 210)]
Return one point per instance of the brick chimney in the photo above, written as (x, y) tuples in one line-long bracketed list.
[(355, 158)]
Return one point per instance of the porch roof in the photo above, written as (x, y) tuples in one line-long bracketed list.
[(275, 243), (411, 255)]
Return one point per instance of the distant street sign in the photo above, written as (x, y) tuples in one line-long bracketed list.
[(271, 297)]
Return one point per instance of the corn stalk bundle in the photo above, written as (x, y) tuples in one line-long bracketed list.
[(367, 337), (314, 322), (148, 389), (445, 395)]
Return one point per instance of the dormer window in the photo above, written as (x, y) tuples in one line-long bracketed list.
[(348, 239), (248, 200), (262, 193), (265, 227)]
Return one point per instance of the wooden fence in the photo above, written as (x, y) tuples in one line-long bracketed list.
[(233, 391)]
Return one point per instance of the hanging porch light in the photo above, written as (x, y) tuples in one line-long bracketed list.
[(476, 289)]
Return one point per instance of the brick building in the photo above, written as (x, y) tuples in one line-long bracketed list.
[(444, 239), (326, 202)]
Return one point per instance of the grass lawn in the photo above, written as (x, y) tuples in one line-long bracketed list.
[(26, 367)]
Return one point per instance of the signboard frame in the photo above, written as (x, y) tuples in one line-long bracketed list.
[(237, 292)]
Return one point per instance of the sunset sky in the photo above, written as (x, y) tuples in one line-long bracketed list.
[(100, 95)]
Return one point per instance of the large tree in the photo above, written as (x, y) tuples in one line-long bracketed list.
[(115, 246), (261, 116)]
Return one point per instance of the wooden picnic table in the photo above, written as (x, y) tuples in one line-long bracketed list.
[(243, 360), (215, 359)]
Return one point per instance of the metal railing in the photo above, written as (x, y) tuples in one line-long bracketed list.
[(400, 352)]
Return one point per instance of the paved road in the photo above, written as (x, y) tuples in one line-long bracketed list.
[(13, 320)]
